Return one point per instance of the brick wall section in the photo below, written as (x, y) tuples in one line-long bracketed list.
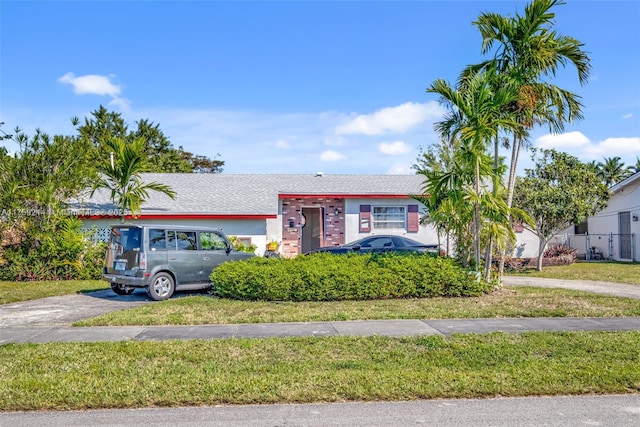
[(333, 225)]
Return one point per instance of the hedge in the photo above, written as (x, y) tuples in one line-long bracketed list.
[(329, 277)]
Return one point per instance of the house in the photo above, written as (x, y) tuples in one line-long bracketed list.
[(610, 234), (613, 233), (300, 212)]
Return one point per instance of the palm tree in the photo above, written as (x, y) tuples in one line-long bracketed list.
[(122, 176), (475, 117), (528, 51), (613, 170)]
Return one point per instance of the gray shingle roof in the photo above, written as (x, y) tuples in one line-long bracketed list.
[(248, 194)]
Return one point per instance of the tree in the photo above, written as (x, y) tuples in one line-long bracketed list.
[(528, 51), (613, 170), (104, 125), (122, 178), (475, 117), (43, 174), (558, 192), (201, 164), (38, 238)]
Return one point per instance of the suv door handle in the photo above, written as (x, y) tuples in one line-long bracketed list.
[(206, 258)]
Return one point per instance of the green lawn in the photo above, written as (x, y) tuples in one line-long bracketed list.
[(619, 272), (25, 291), (70, 376), (131, 374), (516, 302)]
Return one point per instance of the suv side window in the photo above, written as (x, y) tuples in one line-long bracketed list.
[(157, 240), (186, 240), (211, 241), (171, 240)]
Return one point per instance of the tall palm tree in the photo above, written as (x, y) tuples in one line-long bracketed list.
[(613, 170), (475, 117), (122, 176), (528, 51)]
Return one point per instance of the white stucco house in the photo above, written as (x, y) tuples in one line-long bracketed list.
[(611, 234), (300, 212)]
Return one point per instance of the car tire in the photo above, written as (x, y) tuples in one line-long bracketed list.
[(121, 289), (161, 287)]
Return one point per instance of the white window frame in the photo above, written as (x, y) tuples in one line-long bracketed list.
[(376, 220)]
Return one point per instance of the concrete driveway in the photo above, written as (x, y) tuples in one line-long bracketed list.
[(66, 309)]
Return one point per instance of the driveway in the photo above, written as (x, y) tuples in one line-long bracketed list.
[(604, 288), (66, 309)]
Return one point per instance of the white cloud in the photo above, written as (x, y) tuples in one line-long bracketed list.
[(91, 84), (394, 148), (398, 119), (94, 84), (579, 145), (612, 147), (563, 142), (627, 116), (331, 156), (282, 144), (400, 169)]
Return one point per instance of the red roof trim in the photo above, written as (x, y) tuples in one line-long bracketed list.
[(343, 196), (183, 216)]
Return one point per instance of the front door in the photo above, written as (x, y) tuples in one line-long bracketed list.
[(312, 220), (624, 220)]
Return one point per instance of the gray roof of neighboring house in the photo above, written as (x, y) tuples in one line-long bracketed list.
[(249, 194), (627, 181)]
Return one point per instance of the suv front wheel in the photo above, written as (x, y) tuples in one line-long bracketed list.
[(161, 287)]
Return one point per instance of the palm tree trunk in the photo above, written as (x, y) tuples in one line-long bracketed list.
[(476, 219), (516, 145), (489, 251)]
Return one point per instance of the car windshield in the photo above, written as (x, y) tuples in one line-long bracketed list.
[(125, 238)]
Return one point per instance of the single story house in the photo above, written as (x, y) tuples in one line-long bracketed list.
[(610, 234), (300, 212)]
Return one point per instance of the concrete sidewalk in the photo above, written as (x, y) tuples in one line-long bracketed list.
[(49, 319), (392, 328)]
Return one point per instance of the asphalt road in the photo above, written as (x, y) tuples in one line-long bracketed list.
[(564, 411)]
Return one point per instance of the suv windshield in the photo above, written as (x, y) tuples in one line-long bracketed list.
[(125, 239), (124, 247)]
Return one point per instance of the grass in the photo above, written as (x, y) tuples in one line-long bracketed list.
[(25, 291), (619, 272), (73, 376), (517, 302)]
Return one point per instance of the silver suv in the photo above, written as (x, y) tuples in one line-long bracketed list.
[(165, 258)]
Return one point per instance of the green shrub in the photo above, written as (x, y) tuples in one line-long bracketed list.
[(328, 277), (62, 252)]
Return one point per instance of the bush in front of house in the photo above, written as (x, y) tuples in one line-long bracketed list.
[(63, 252), (330, 277)]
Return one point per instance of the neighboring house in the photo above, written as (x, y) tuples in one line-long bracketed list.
[(611, 234), (300, 212)]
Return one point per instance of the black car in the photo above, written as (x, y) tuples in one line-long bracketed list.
[(379, 244)]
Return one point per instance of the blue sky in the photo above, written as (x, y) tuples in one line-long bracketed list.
[(295, 86)]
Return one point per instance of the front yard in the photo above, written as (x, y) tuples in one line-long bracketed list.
[(76, 376)]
